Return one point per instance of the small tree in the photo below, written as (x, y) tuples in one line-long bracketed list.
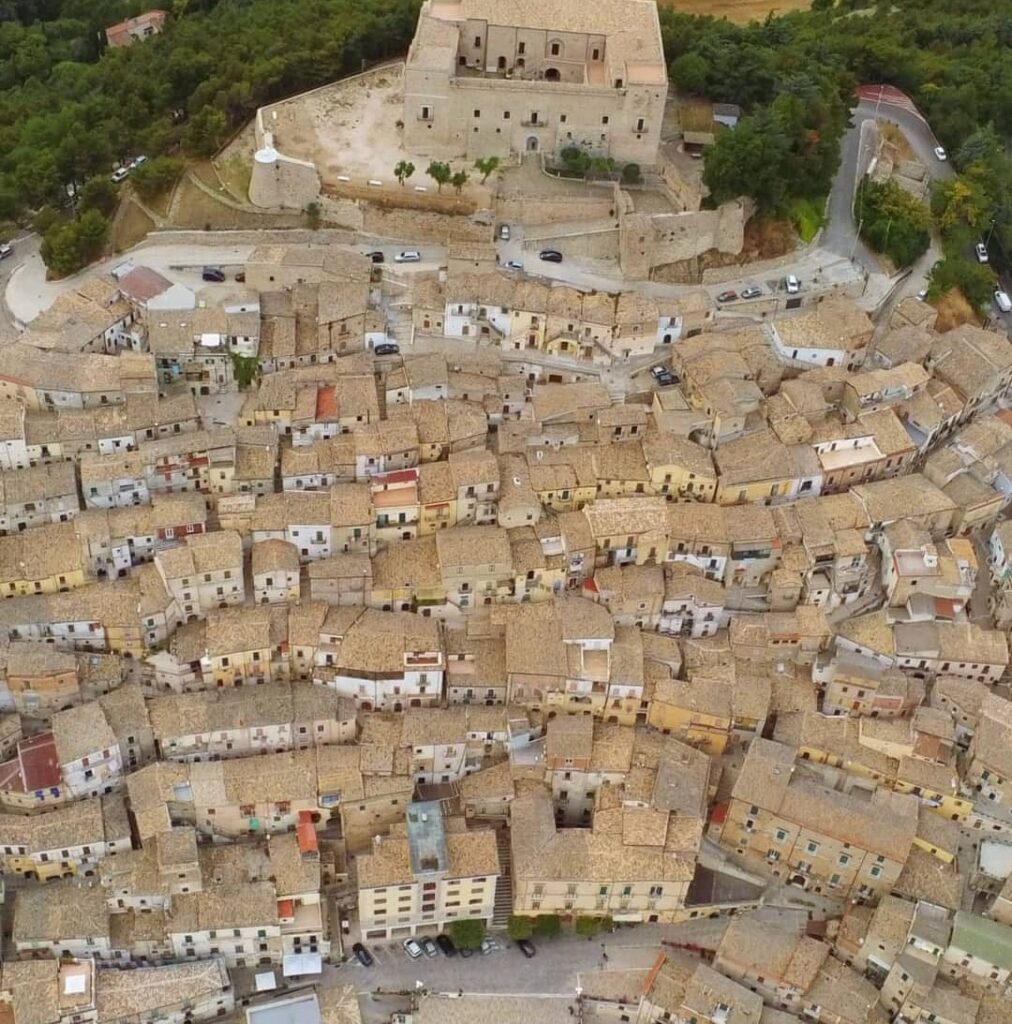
[(244, 369), (314, 214), (576, 160), (519, 927), (440, 173), (404, 170), (467, 934), (459, 180), (486, 165), (547, 926), (591, 926), (156, 176)]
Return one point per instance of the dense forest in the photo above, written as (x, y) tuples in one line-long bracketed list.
[(795, 78), (70, 108)]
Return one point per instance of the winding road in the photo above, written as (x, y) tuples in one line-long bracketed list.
[(883, 103)]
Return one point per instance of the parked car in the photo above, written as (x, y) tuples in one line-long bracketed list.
[(753, 291), (376, 256), (792, 284), (412, 948), (527, 948), (728, 296), (666, 379), (120, 174), (940, 154), (504, 232), (922, 294), (137, 161), (241, 277), (488, 946), (408, 256), (388, 348), (981, 251), (430, 948), (213, 274), (362, 955), (445, 943), (658, 371), (6, 250), (514, 265), (1002, 301), (550, 256)]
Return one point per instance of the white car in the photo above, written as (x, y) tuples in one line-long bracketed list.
[(792, 284), (408, 256), (922, 294), (940, 154), (514, 265), (120, 174), (981, 250), (5, 251), (1002, 301), (412, 948), (137, 161)]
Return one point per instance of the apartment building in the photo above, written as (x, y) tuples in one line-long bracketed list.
[(783, 815), (204, 572), (276, 572), (46, 560), (62, 919), (389, 661), (70, 840), (38, 495), (87, 750), (421, 878)]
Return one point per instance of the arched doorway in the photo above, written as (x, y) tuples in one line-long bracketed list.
[(521, 63), (552, 75), (532, 143), (502, 63)]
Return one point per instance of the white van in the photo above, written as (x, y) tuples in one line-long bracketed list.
[(1002, 301)]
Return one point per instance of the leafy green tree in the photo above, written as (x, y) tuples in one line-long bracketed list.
[(98, 193), (244, 369), (893, 221), (404, 170), (459, 180), (69, 245), (467, 934), (547, 926), (631, 174), (748, 161), (575, 160), (486, 165), (591, 926), (690, 74), (440, 173), (205, 132), (156, 176), (519, 927), (975, 280)]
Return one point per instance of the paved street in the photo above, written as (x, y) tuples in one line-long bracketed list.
[(840, 235), (553, 971)]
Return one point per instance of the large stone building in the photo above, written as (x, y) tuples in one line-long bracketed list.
[(488, 77)]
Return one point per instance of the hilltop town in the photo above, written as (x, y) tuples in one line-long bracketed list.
[(437, 628)]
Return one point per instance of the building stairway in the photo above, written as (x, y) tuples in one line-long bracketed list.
[(504, 884)]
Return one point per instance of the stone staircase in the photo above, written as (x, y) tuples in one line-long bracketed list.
[(504, 884)]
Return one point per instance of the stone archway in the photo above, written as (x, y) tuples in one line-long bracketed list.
[(552, 75), (532, 144)]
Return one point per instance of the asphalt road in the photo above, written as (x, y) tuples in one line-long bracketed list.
[(840, 235)]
